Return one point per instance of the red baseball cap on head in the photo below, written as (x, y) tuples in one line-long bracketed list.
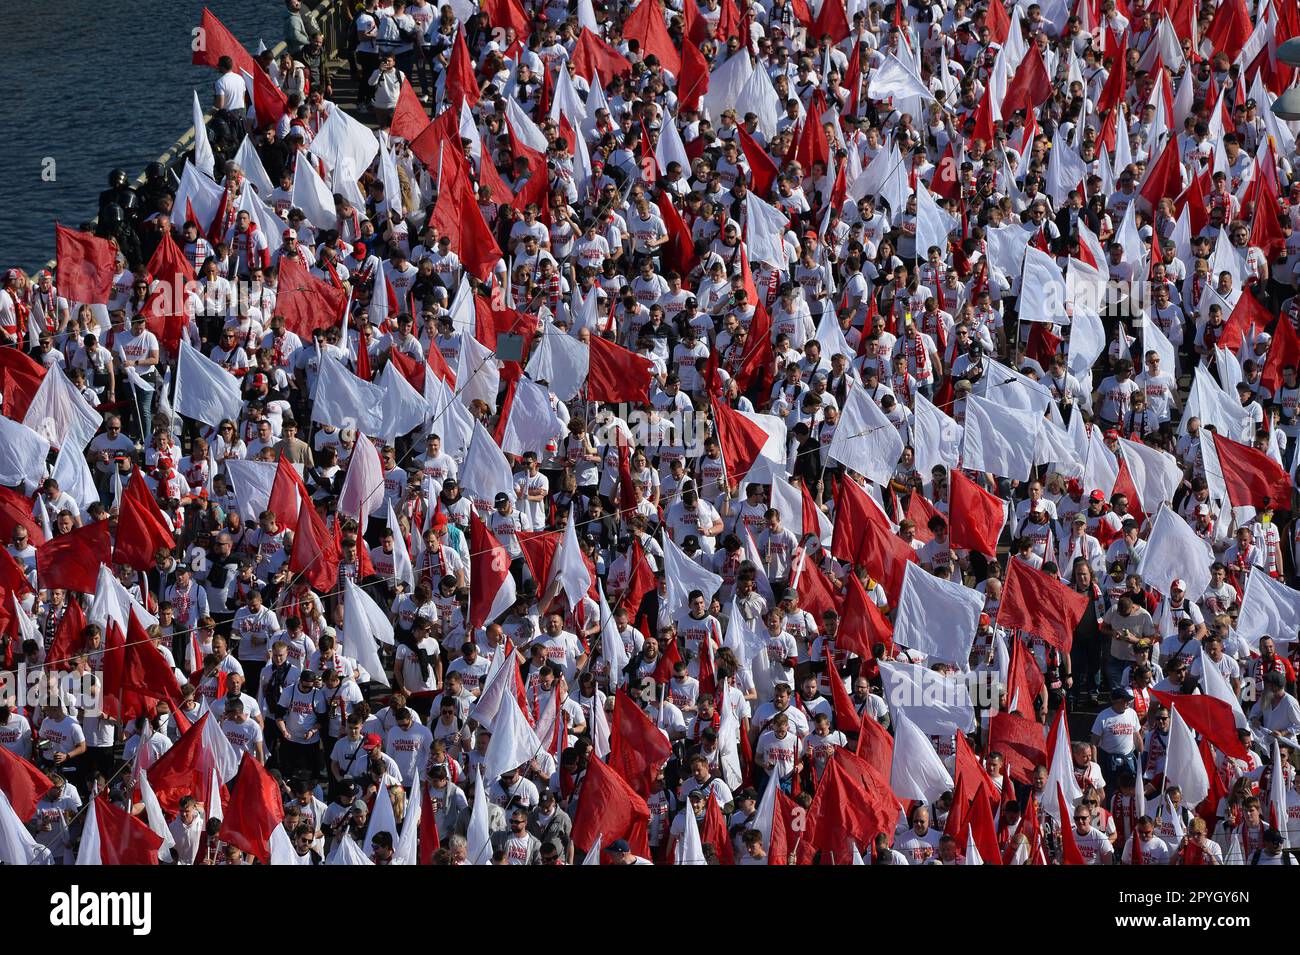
[(359, 249), (288, 234), (1112, 433), (1097, 496), (372, 741)]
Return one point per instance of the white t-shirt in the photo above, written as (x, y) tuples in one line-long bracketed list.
[(1117, 731)]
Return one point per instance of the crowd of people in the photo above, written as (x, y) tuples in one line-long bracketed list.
[(771, 363)]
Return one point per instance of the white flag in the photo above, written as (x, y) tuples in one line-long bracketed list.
[(1175, 552), (917, 771), (1183, 764), (311, 195), (204, 390), (204, 160), (345, 401), (997, 439), (684, 575), (937, 617), (865, 440), (363, 625)]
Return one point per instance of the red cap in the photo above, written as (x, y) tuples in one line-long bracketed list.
[(984, 620), (1112, 433), (372, 741), (359, 249), (1097, 496), (288, 234), (259, 381)]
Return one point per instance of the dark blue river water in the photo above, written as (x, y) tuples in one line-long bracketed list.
[(89, 85)]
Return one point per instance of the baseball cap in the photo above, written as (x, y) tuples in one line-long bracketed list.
[(359, 248), (1079, 519), (1097, 496), (372, 741), (1112, 433), (1120, 693), (288, 234), (1178, 584), (618, 845), (501, 498), (259, 381), (1202, 510)]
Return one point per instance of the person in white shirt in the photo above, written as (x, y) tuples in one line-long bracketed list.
[(920, 843)]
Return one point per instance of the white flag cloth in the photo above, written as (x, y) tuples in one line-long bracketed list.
[(1269, 608), (485, 472), (364, 624), (690, 851), (684, 575), (933, 224), (670, 147), (1207, 401), (219, 751), (936, 437), (611, 643), (831, 337), (73, 474), (282, 850), (402, 567), (522, 125), (204, 390), (725, 84), (765, 815), (1215, 684), (1277, 795), (561, 361), (1156, 473), (343, 138), (939, 705), (1008, 245), (865, 440), (1183, 764), (748, 638), (403, 409), (362, 493), (22, 455), (1056, 447), (90, 850), (382, 817), (17, 847), (1100, 469), (532, 423), (998, 439), (569, 571), (892, 79), (407, 847), (263, 216), (449, 418), (972, 853), (311, 195), (203, 157), (937, 617), (251, 482), (1060, 772), (478, 836), (1087, 342), (593, 854), (1042, 288), (345, 401), (1228, 365), (1009, 388), (1175, 552), (917, 771), (513, 741), (765, 227), (154, 817), (254, 171), (478, 376), (60, 414), (760, 97), (198, 197), (347, 852), (1065, 170)]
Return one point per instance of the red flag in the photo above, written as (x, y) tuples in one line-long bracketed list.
[(141, 529), (165, 309), (816, 594), (13, 578), (23, 783), (831, 21), (1165, 179), (762, 169), (1020, 741), (846, 717), (288, 492), (409, 117), (255, 810), (1230, 28), (508, 13), (183, 770), (640, 582), (1024, 680), (680, 249), (462, 84), (646, 25), (1252, 476), (25, 377), (920, 512), (975, 516), (592, 56), (458, 215), (269, 101), (315, 554), (853, 80), (146, 677), (617, 374), (812, 146), (1040, 604), (969, 773), (1042, 343), (85, 266), (1266, 229), (1283, 350), (980, 823), (1125, 485), (740, 438), (695, 27), (714, 830), (306, 302), (1246, 313), (875, 745), (862, 625), (1209, 716), (862, 537), (637, 746), (1030, 85), (428, 831), (694, 80), (999, 24), (609, 809), (853, 802), (1116, 82), (1070, 854), (489, 570), (68, 639), (539, 551), (984, 118), (124, 839)]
